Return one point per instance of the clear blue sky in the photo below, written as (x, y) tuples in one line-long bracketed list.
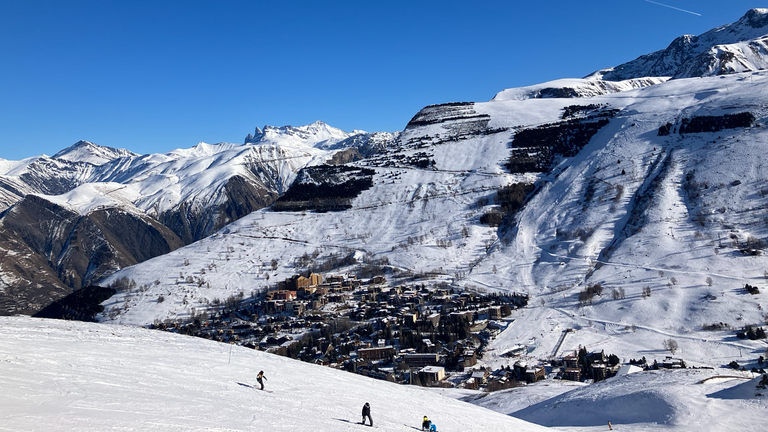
[(151, 76)]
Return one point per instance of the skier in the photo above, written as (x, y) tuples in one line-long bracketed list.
[(261, 377), (367, 413), (425, 423)]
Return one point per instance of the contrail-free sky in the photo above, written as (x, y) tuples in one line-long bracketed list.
[(672, 7)]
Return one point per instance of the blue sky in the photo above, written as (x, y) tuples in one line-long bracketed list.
[(151, 76)]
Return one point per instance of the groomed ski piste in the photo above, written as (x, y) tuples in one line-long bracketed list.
[(65, 376)]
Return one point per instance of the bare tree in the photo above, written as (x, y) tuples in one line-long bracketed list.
[(671, 345)]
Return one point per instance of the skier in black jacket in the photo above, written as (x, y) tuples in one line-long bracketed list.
[(367, 413), (261, 377)]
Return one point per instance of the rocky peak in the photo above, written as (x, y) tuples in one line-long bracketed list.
[(256, 137), (316, 134), (689, 56), (86, 151), (755, 18)]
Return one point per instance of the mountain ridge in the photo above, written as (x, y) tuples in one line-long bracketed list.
[(688, 56)]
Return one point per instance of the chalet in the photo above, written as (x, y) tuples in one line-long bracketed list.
[(410, 318), (534, 374), (431, 375), (519, 368), (378, 280), (334, 279), (351, 284), (599, 371), (464, 315), (672, 363), (468, 359), (281, 295), (318, 302), (295, 307), (480, 376), (571, 361), (274, 306), (434, 319), (471, 384), (572, 374)]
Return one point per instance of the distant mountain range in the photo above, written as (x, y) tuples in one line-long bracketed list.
[(89, 210)]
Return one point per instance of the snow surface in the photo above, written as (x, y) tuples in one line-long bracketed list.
[(685, 400), (12, 168), (63, 376), (85, 151), (580, 87)]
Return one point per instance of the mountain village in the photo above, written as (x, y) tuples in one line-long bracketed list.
[(408, 334)]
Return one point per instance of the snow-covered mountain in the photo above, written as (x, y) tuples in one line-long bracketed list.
[(88, 191), (575, 88), (632, 212), (84, 151), (733, 48), (634, 208), (654, 193)]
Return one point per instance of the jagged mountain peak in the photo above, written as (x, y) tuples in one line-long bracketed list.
[(732, 48), (86, 151), (755, 18), (317, 134), (202, 149)]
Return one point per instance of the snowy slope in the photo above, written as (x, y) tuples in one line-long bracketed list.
[(575, 88), (61, 376), (644, 236), (85, 151), (670, 400), (689, 56)]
